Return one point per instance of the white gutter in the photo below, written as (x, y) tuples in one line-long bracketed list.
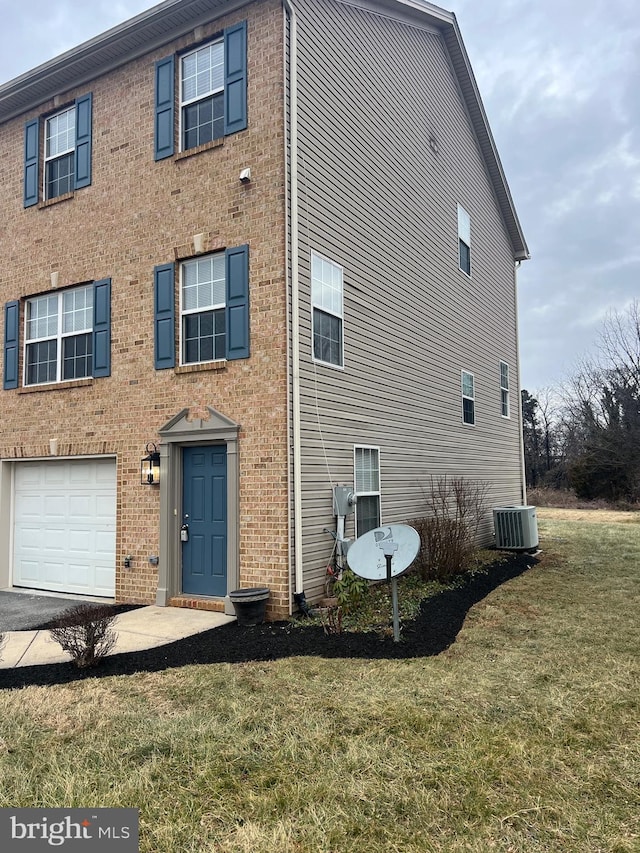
[(295, 294)]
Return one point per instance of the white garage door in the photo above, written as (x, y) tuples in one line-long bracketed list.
[(65, 526)]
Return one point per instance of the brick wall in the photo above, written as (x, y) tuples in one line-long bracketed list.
[(138, 213)]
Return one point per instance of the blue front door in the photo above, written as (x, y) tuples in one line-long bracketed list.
[(204, 507)]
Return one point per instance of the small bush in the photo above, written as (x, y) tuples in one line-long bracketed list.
[(448, 532), (85, 632), (350, 590)]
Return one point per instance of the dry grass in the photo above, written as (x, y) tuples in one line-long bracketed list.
[(522, 738), (601, 517), (546, 497)]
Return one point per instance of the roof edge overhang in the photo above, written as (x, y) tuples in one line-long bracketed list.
[(423, 13), (173, 18), (127, 41)]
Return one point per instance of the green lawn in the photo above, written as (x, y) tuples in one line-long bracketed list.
[(523, 737)]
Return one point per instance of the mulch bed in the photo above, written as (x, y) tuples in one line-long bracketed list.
[(434, 630)]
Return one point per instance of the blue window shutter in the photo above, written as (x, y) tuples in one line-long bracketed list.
[(84, 110), (11, 341), (164, 316), (237, 273), (235, 78), (102, 327), (164, 111), (31, 161)]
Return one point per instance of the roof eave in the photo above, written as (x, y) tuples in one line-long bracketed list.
[(173, 18), (127, 41)]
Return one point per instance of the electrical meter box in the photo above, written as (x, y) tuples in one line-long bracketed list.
[(343, 500)]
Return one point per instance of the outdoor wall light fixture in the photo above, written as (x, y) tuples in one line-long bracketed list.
[(150, 466)]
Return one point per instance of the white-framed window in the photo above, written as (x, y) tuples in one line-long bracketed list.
[(58, 336), (202, 95), (464, 240), (59, 153), (366, 463), (202, 305), (504, 390), (468, 399), (327, 296)]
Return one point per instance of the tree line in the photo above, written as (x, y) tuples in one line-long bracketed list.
[(585, 434)]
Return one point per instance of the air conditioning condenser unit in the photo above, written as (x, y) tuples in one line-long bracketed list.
[(516, 527)]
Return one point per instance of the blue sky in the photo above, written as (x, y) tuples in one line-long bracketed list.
[(559, 84)]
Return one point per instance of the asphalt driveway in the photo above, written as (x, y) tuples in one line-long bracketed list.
[(26, 611)]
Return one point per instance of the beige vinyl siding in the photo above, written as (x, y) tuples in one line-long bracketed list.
[(376, 200)]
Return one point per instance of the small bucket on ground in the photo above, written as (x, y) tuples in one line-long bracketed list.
[(250, 604)]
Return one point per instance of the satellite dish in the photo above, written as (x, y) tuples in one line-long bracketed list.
[(367, 555)]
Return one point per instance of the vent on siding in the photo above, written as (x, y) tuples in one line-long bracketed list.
[(516, 527)]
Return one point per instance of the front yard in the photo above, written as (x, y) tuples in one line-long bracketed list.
[(521, 737)]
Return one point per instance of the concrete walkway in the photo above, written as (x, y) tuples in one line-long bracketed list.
[(138, 629)]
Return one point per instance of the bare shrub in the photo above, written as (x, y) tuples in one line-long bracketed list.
[(455, 508), (86, 633), (331, 620)]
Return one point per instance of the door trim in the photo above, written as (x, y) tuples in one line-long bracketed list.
[(177, 433)]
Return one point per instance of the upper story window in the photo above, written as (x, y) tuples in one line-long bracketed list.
[(468, 398), (202, 95), (504, 389), (464, 240), (367, 483), (66, 139), (212, 93), (59, 153), (203, 295), (327, 301)]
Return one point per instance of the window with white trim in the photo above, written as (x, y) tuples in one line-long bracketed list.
[(58, 336), (468, 399), (327, 286), (202, 95), (59, 153), (504, 390), (464, 240), (367, 486), (203, 291)]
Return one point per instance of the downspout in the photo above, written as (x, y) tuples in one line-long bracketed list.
[(523, 479), (292, 82)]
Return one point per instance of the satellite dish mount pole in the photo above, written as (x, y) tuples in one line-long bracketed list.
[(389, 547)]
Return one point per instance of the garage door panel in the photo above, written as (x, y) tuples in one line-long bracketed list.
[(78, 574), (103, 476), (104, 543), (103, 580), (29, 570), (54, 539), (53, 571), (54, 506), (29, 538), (103, 509), (81, 507), (64, 525), (80, 542), (52, 474), (32, 508)]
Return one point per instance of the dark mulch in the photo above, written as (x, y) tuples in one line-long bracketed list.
[(434, 630)]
